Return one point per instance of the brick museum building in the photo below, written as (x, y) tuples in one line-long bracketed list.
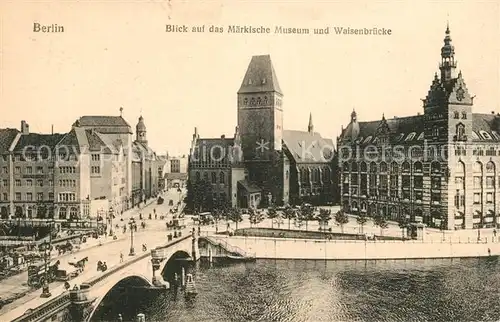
[(439, 167), (262, 164)]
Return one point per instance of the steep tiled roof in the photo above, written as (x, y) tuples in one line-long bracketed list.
[(248, 186), (485, 127), (260, 76), (70, 141), (7, 136), (305, 147), (400, 128), (104, 124), (37, 140), (101, 120)]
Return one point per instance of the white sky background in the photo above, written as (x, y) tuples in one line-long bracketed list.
[(117, 53)]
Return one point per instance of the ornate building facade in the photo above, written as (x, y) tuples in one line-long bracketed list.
[(262, 163), (439, 167)]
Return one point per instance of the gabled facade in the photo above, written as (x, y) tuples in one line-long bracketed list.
[(439, 167)]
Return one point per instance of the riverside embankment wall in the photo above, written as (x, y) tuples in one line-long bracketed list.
[(281, 248)]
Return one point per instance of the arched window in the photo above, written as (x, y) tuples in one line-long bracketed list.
[(214, 178), (477, 167), (62, 213), (73, 213), (373, 167), (406, 166), (456, 115), (346, 167), (460, 168), (363, 166), (383, 167), (418, 167), (205, 176), (354, 167), (490, 167), (198, 176), (464, 115), (394, 168), (460, 129), (435, 167), (435, 131), (222, 178), (286, 175)]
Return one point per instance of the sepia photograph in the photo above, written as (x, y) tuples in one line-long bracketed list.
[(227, 161)]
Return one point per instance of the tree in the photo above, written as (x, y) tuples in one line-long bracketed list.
[(361, 220), (235, 215), (325, 215), (272, 214), (255, 217), (341, 219), (380, 221), (306, 213), (403, 224), (217, 215), (289, 214)]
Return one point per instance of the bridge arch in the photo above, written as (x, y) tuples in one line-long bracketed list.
[(117, 288), (174, 264)]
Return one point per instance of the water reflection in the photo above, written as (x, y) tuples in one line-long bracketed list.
[(273, 290)]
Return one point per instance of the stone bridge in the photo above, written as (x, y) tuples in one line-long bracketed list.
[(151, 271)]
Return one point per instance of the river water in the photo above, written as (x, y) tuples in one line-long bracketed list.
[(299, 290)]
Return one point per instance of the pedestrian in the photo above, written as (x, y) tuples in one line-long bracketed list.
[(121, 257), (495, 232)]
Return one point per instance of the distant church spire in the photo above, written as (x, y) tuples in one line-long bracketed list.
[(310, 127)]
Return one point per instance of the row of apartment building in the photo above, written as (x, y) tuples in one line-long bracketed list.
[(95, 168)]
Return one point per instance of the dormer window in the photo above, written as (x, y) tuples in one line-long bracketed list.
[(410, 136), (485, 135), (368, 139), (400, 137), (464, 115), (421, 136)]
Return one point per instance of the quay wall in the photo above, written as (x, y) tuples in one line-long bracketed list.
[(281, 248)]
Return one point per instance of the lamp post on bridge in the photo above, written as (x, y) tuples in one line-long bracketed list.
[(131, 224), (47, 247), (111, 214)]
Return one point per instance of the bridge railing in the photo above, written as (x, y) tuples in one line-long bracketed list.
[(45, 310), (228, 247), (55, 304)]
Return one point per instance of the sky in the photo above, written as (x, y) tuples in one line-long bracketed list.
[(116, 54)]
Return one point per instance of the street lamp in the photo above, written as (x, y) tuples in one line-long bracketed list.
[(47, 249), (131, 224), (111, 214)]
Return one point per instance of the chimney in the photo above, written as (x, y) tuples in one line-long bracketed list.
[(25, 128), (52, 130), (222, 136), (493, 112)]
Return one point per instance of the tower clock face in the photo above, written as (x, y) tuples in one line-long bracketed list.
[(460, 94)]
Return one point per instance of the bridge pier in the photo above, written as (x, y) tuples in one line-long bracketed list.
[(158, 281), (81, 303)]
